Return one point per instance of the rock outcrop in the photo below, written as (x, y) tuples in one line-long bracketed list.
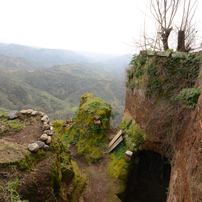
[(172, 130), (89, 129)]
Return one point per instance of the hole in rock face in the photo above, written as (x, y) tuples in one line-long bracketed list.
[(149, 178)]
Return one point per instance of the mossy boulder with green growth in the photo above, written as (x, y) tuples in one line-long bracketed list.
[(89, 138)]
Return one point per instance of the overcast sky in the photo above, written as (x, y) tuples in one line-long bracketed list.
[(84, 25)]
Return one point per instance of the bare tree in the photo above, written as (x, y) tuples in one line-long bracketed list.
[(186, 33), (164, 13)]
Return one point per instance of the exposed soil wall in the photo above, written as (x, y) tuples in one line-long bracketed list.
[(183, 148)]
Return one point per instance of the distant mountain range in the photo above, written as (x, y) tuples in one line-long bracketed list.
[(49, 57), (25, 83), (41, 56)]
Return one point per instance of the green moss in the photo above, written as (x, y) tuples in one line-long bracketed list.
[(32, 159), (57, 125), (118, 167), (90, 140), (86, 97), (134, 136), (163, 76), (78, 184)]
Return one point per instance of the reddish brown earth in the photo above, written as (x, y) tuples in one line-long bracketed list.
[(185, 151)]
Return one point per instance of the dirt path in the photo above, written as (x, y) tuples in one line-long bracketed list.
[(97, 180)]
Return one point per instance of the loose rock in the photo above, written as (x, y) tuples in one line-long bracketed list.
[(45, 126), (34, 113), (12, 115), (45, 119), (23, 111), (46, 147), (41, 114), (44, 137), (34, 147), (67, 122), (29, 111), (48, 132), (40, 143), (48, 141)]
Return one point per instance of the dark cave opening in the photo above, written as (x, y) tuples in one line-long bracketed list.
[(149, 178)]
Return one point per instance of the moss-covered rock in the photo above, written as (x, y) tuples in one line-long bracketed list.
[(89, 138)]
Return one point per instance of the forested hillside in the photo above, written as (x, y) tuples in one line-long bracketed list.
[(57, 90)]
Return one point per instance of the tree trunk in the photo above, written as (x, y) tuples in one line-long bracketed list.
[(165, 34), (165, 43), (181, 41)]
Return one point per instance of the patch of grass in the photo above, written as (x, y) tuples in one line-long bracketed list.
[(11, 191), (14, 125), (187, 96), (118, 167)]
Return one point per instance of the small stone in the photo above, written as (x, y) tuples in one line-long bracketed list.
[(41, 114), (48, 132), (23, 111), (67, 122), (48, 141), (128, 155), (96, 118), (12, 115), (29, 111), (45, 126), (45, 119), (34, 147), (163, 53), (40, 143), (180, 55), (46, 147), (34, 113), (44, 137)]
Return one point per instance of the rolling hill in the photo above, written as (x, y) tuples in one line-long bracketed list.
[(56, 90)]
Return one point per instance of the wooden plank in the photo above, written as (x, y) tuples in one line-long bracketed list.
[(116, 144), (115, 138)]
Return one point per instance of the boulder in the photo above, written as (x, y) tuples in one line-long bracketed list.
[(34, 147), (12, 115)]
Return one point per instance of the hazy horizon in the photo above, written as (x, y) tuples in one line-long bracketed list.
[(90, 26)]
